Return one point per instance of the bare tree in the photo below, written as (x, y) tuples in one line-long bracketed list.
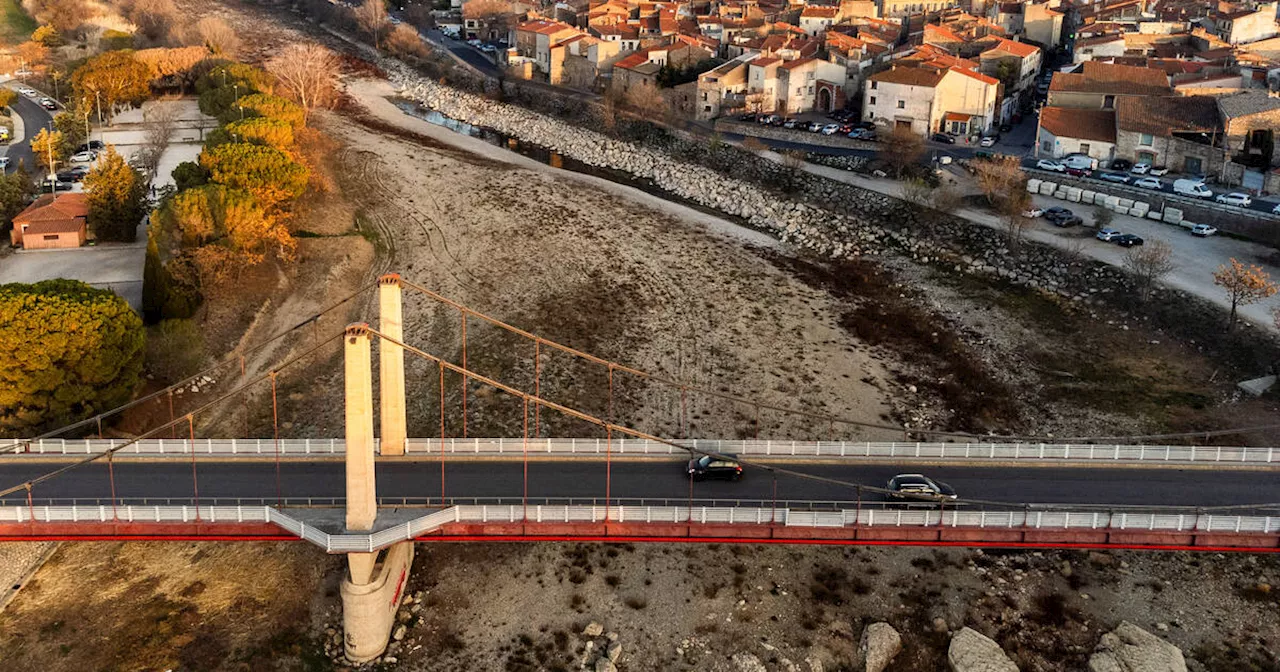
[(754, 145), (372, 17), (405, 41), (308, 73), (792, 163), (159, 122), (901, 148), (154, 18), (1149, 263), (218, 36), (1012, 209), (999, 175), (648, 101)]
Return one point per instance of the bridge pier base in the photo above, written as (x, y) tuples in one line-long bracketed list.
[(369, 608)]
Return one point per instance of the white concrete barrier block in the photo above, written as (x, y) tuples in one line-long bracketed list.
[(1172, 216), (1126, 202), (1047, 188), (1153, 215), (1121, 210), (1140, 209), (1087, 195), (1176, 212), (1060, 194), (1033, 185), (1100, 198), (1073, 195), (1112, 202)]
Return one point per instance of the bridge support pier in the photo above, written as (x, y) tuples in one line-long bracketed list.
[(391, 365), (369, 607), (372, 590)]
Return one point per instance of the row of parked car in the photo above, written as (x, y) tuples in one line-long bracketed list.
[(44, 101), (1145, 176), (1064, 217), (864, 130)]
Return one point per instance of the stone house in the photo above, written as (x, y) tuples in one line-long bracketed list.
[(807, 84), (534, 39), (1020, 58), (719, 89), (1242, 24), (1102, 47), (52, 221), (814, 19), (1182, 133), (1099, 85), (928, 99), (1042, 24), (1064, 131), (583, 62), (1250, 121)]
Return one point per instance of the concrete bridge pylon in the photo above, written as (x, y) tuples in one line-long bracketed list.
[(375, 582)]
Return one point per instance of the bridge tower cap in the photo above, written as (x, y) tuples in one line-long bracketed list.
[(356, 329), (389, 279)]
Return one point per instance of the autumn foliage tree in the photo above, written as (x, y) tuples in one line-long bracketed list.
[(269, 174), (172, 68), (78, 351), (116, 198), (257, 130), (266, 105), (1243, 284), (224, 229), (116, 77), (404, 41), (225, 84), (46, 145)]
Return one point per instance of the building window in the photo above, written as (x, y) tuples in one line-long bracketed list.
[(1084, 148), (50, 236), (902, 104), (873, 86), (1108, 102), (873, 100), (1145, 139), (1047, 145)]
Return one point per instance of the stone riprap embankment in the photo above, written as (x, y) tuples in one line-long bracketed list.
[(827, 217)]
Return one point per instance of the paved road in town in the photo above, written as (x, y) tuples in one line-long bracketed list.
[(34, 118), (665, 479)]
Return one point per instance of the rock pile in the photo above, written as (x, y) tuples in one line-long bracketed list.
[(972, 651), (1129, 648), (602, 649)]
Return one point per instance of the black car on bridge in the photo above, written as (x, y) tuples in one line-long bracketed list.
[(715, 466)]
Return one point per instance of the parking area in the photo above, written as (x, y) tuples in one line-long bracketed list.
[(114, 266)]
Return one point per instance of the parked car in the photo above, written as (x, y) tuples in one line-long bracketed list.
[(1159, 171), (77, 172), (1115, 177), (1121, 164), (790, 123), (1235, 198), (831, 129), (1193, 188), (1204, 230), (92, 144), (48, 104), (1126, 240), (1276, 210), (1046, 164), (1082, 161), (1033, 213), (918, 486), (1057, 213), (85, 156), (1149, 183), (1079, 172), (943, 138), (710, 466), (988, 141), (56, 185), (862, 134), (1108, 234), (1070, 220), (1005, 128), (1140, 168), (816, 126)]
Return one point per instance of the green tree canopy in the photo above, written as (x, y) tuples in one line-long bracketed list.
[(226, 73), (266, 105), (223, 228), (116, 76), (116, 198), (77, 351), (257, 130), (269, 174), (16, 189), (189, 174), (72, 128)]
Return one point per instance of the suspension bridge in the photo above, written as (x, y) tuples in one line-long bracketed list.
[(370, 495)]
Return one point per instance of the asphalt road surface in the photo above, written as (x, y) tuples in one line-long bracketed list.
[(586, 479), (34, 118)]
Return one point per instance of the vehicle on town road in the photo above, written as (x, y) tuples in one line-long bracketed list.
[(1149, 183), (943, 138), (1046, 164), (1127, 240), (1203, 230), (1033, 213), (1235, 198), (1115, 177), (1140, 168), (715, 466), (1193, 188), (85, 156), (1158, 171), (919, 486), (1108, 234)]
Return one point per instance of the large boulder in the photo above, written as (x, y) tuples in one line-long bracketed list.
[(879, 644), (972, 651), (1129, 648)]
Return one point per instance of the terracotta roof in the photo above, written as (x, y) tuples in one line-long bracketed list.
[(53, 226), (792, 65), (1115, 79), (1164, 115), (544, 27), (974, 74), (49, 208), (1101, 39), (957, 116), (1019, 49), (909, 76), (765, 62), (819, 12), (940, 33), (1066, 122)]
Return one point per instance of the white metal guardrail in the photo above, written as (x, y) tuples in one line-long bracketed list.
[(901, 518), (630, 447)]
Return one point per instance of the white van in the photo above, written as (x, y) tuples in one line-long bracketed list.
[(1192, 188), (1080, 162)]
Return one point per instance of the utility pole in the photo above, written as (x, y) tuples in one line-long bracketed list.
[(53, 176)]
